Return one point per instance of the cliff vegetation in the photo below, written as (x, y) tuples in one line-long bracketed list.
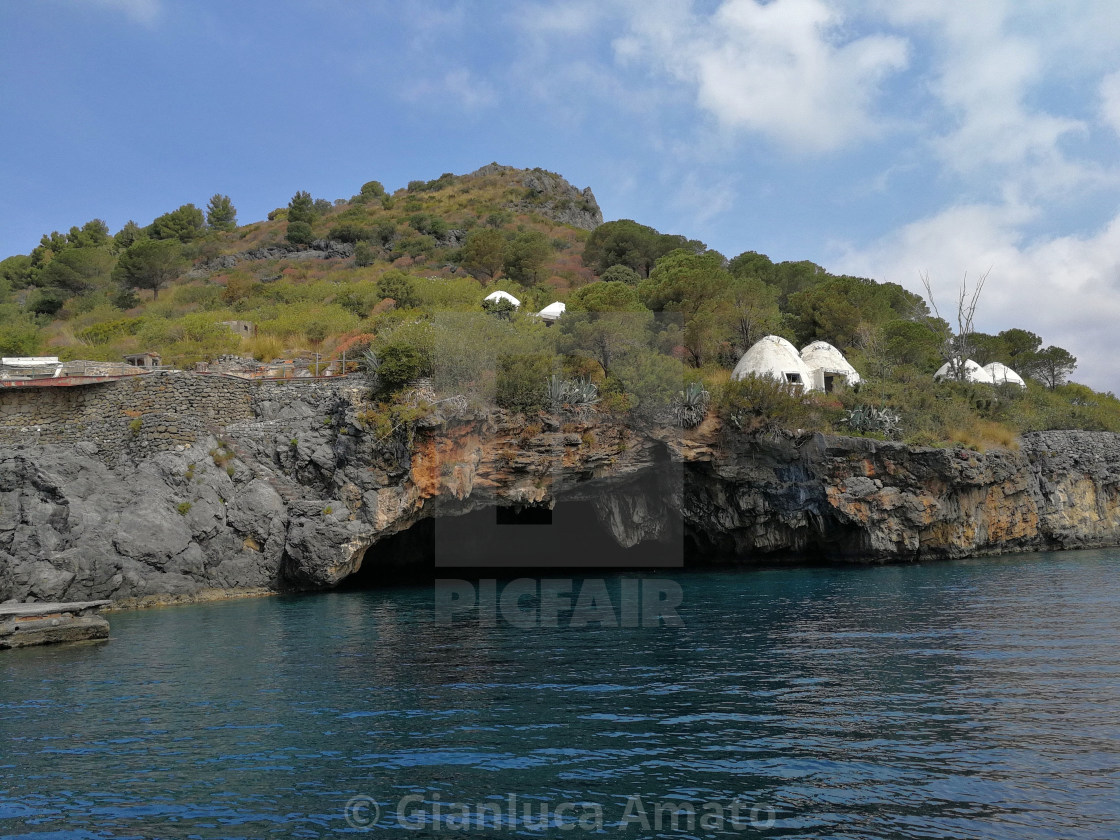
[(655, 321)]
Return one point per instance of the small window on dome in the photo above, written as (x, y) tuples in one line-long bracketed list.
[(794, 378)]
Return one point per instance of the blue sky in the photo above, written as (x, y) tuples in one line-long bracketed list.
[(885, 139)]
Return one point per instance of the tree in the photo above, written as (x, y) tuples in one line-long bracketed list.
[(836, 309), (625, 242), (483, 252), (956, 349), (755, 309), (752, 264), (397, 285), (46, 301), (301, 208), (301, 213), (1053, 366), (149, 264), (220, 213), (184, 224), (525, 256), (604, 320), (371, 190), (622, 273), (914, 343), (77, 269), (16, 271), (92, 234), (128, 235), (699, 288), (605, 296), (1018, 343)]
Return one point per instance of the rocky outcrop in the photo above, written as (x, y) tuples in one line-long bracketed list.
[(320, 249), (296, 491), (550, 195)]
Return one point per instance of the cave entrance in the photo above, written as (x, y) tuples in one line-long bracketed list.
[(504, 540)]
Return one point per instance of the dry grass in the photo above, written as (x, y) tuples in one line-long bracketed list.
[(982, 435)]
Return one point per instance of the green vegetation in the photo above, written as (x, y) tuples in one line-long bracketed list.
[(654, 324), (220, 213)]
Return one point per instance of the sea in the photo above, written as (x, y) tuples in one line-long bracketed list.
[(971, 699)]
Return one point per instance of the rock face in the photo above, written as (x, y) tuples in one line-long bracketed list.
[(293, 490), (550, 195), (324, 249)]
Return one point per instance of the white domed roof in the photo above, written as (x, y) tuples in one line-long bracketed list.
[(503, 296), (1001, 374), (553, 311), (820, 355), (776, 358), (972, 373)]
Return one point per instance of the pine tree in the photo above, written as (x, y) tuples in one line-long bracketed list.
[(301, 212), (220, 213)]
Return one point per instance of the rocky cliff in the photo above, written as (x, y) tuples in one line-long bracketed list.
[(294, 490)]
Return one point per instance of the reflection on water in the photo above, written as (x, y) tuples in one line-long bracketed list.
[(977, 699)]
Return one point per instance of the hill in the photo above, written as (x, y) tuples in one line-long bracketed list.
[(656, 321)]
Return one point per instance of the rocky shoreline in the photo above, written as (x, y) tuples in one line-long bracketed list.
[(295, 492)]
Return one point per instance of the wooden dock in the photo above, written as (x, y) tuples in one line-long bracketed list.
[(23, 625)]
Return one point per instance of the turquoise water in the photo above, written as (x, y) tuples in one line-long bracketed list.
[(977, 699)]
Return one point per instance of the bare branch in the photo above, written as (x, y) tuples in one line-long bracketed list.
[(957, 349)]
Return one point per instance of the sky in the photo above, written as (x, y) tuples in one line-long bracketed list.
[(890, 139)]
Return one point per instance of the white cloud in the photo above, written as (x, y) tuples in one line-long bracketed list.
[(1110, 101), (1064, 288), (146, 12), (457, 86), (781, 69), (703, 200)]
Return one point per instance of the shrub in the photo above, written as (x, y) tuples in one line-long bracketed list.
[(499, 307), (364, 254), (522, 382), (400, 363), (19, 339), (299, 233), (759, 403), (397, 285), (184, 508), (350, 232)]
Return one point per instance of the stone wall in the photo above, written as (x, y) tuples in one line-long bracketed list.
[(138, 416)]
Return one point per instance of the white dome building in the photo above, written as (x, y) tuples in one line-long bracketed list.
[(972, 373), (1003, 375), (553, 311), (496, 296), (828, 365), (775, 358)]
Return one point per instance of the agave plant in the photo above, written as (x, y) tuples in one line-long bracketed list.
[(575, 394), (691, 405), (556, 390), (868, 418), (370, 364), (583, 393)]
